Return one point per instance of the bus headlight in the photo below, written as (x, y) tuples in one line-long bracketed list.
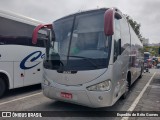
[(103, 86)]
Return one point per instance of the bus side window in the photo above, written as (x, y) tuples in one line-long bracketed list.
[(117, 39), (40, 43), (2, 41), (22, 41), (16, 41)]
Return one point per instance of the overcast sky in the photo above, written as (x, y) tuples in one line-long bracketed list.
[(145, 12)]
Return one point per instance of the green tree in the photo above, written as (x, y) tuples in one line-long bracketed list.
[(152, 49), (135, 25)]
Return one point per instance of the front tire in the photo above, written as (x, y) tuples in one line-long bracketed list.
[(2, 87)]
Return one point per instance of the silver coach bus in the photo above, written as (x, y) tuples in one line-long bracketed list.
[(92, 58)]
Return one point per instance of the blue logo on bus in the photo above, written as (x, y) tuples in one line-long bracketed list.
[(31, 58)]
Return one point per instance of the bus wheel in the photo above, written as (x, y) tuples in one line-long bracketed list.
[(127, 88), (2, 87)]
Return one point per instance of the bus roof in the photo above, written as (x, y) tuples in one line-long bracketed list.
[(88, 11), (19, 18), (83, 12)]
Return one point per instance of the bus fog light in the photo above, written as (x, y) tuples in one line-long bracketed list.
[(103, 86), (100, 98), (45, 81)]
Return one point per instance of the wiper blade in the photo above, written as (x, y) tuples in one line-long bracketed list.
[(88, 59)]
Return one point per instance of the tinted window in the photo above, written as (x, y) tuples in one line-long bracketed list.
[(40, 43), (125, 34), (17, 33), (14, 40)]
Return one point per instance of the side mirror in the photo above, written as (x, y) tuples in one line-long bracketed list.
[(108, 22), (117, 16), (35, 32), (109, 16), (48, 43), (159, 51)]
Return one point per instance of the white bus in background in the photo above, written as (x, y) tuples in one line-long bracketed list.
[(20, 60), (92, 59)]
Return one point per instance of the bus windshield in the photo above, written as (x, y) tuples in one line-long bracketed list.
[(80, 43)]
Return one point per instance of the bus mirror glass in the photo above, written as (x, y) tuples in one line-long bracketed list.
[(47, 48), (35, 32), (53, 36), (159, 51), (118, 16)]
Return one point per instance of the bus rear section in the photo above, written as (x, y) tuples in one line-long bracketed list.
[(20, 60), (87, 60)]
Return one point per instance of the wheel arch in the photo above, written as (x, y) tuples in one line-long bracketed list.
[(6, 78)]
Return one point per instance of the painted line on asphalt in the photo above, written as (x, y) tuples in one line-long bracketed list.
[(20, 98), (134, 104)]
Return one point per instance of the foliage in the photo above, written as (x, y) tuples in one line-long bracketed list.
[(136, 26), (152, 49)]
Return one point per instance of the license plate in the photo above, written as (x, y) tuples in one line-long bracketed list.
[(66, 95)]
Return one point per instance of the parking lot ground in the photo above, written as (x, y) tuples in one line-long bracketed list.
[(150, 100)]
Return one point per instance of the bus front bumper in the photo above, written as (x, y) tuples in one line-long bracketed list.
[(92, 99)]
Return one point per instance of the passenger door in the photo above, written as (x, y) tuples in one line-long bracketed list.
[(117, 65)]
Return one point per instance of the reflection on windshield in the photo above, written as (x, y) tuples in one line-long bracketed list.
[(88, 59), (79, 42)]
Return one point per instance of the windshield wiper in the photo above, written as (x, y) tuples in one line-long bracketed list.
[(88, 59)]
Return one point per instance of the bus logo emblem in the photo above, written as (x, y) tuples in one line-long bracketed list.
[(67, 72), (31, 58)]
